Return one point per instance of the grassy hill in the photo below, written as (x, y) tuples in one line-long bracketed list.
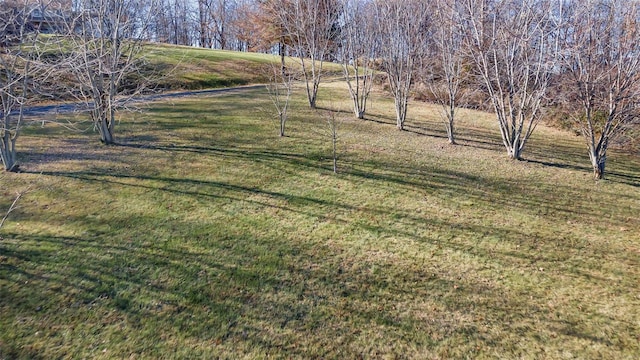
[(205, 235), (183, 67)]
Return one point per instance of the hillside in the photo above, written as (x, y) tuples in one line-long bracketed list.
[(181, 67), (204, 235)]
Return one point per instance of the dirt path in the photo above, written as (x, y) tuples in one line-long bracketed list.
[(38, 111)]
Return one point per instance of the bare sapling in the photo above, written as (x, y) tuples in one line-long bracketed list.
[(335, 131), (280, 88), (333, 127), (14, 205)]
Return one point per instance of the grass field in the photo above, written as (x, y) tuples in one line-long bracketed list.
[(204, 235)]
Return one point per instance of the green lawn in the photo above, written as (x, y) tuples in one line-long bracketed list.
[(205, 235)]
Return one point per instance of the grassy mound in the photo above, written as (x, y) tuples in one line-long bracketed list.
[(182, 67), (205, 235), (193, 68)]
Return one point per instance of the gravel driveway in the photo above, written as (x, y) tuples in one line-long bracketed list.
[(38, 111)]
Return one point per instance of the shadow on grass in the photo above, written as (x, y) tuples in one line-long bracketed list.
[(562, 155), (266, 292), (269, 291), (530, 195), (470, 137), (230, 283), (210, 189)]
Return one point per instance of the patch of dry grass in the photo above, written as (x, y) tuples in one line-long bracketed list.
[(205, 235)]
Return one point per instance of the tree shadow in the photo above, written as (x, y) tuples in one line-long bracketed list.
[(245, 287), (301, 293)]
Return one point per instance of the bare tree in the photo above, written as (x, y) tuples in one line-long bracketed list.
[(222, 23), (311, 28), (174, 22), (264, 26), (204, 20), (221, 11), (103, 46), (601, 71), (182, 23), (404, 30), (14, 69), (359, 48), (445, 75), (21, 71), (512, 45), (247, 21), (280, 87), (332, 129)]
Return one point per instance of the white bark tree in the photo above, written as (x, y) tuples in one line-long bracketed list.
[(446, 75), (21, 71), (359, 48), (601, 70), (103, 46), (311, 28), (404, 30), (512, 45)]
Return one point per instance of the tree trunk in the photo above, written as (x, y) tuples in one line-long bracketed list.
[(598, 162), (401, 113), (106, 137), (450, 133), (450, 120), (281, 50), (223, 39), (282, 124), (335, 148), (598, 171), (514, 145), (359, 100), (106, 131), (515, 154), (8, 152), (451, 138), (515, 151)]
